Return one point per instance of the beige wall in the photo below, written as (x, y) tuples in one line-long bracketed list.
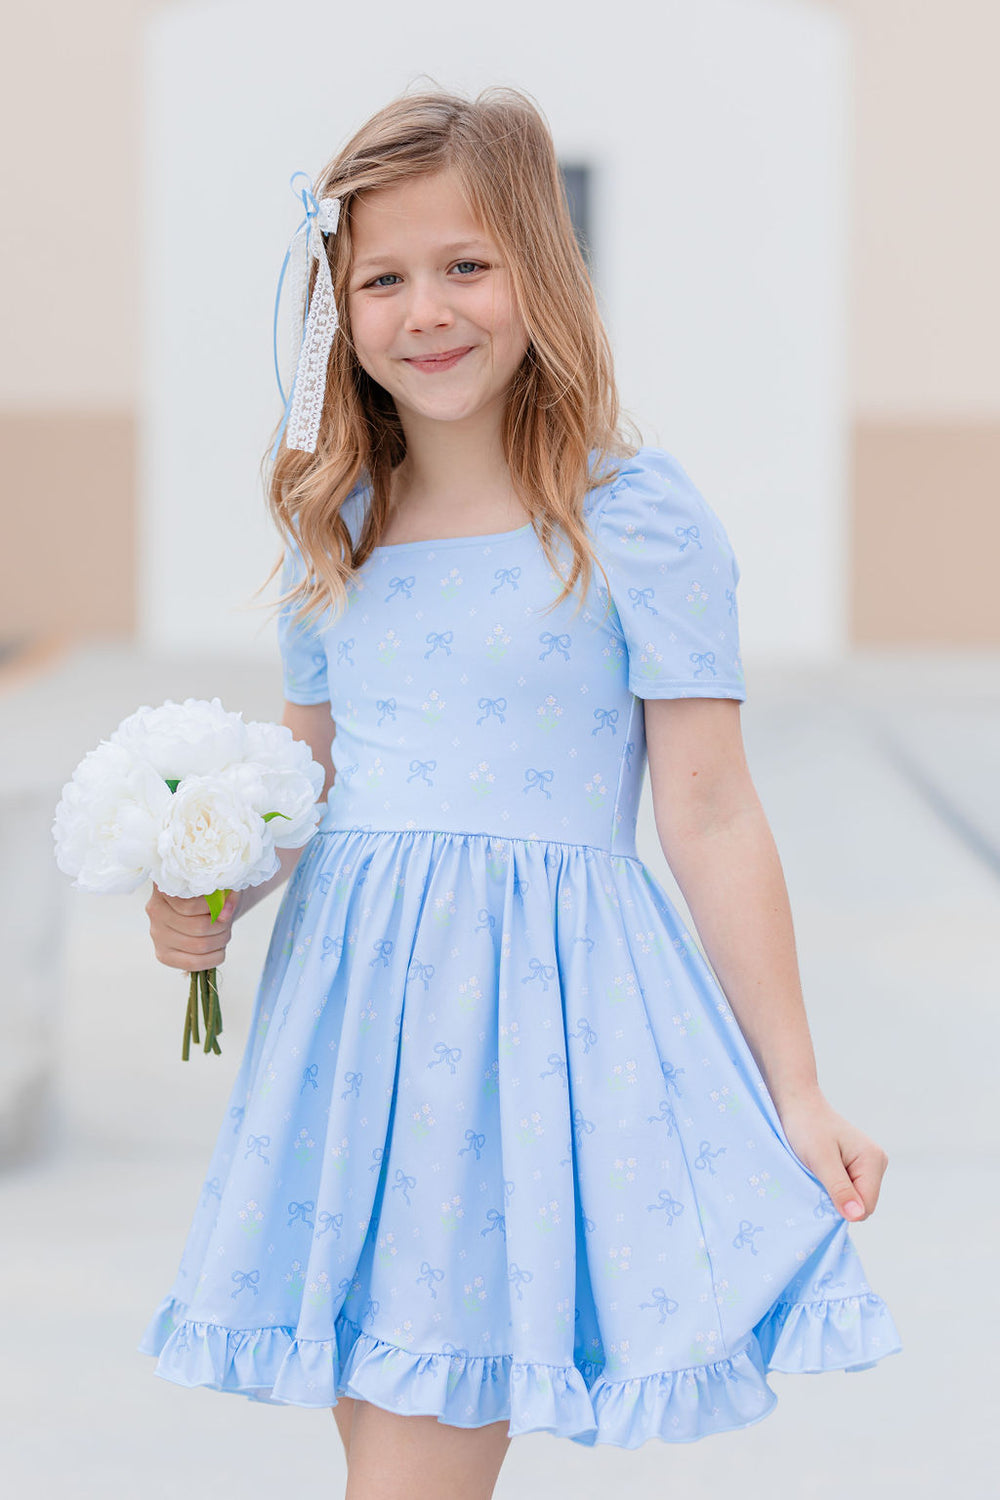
[(69, 358), (926, 324), (69, 481), (925, 320), (926, 533)]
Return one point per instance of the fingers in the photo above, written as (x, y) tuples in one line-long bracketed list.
[(845, 1186), (183, 906), (865, 1173), (191, 963), (848, 1163), (184, 935)]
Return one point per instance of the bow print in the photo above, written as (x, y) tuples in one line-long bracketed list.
[(256, 1143), (447, 1054), (492, 706), (404, 1183), (662, 1303), (505, 575), (539, 970), (354, 1082), (430, 1274), (438, 638), (476, 1141), (643, 596), (554, 642)]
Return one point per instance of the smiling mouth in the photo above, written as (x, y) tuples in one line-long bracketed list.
[(445, 361)]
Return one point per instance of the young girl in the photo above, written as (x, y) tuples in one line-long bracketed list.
[(503, 1154)]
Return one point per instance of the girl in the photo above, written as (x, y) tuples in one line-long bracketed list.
[(503, 1154)]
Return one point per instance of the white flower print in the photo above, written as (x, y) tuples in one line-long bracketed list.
[(497, 642)]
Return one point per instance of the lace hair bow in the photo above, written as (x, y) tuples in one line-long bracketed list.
[(304, 403)]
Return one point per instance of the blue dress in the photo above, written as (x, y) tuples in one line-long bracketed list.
[(498, 1148)]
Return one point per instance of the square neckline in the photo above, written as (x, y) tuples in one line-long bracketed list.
[(453, 541), (362, 489)]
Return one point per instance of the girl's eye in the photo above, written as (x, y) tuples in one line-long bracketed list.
[(388, 278)]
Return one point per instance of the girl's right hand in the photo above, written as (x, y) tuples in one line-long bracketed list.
[(184, 935)]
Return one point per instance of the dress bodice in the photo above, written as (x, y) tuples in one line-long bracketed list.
[(464, 702)]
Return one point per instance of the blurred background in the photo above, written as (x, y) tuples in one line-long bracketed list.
[(788, 210)]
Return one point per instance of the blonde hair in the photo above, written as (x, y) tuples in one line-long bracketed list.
[(562, 402)]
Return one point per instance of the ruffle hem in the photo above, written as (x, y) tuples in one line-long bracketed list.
[(677, 1406)]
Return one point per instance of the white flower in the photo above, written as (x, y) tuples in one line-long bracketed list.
[(290, 782), (193, 738), (107, 821), (212, 840), (119, 822)]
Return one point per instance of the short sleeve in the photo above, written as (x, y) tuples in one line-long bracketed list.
[(303, 654), (673, 577)]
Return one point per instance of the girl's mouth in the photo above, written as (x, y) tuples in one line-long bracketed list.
[(434, 362)]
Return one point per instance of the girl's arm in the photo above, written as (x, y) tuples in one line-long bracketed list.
[(184, 935), (719, 845)]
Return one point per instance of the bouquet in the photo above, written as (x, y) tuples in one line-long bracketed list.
[(195, 798)]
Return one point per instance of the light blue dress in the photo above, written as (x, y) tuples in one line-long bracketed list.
[(498, 1148)]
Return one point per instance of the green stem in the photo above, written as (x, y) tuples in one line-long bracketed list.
[(186, 1053), (194, 1008), (216, 1015), (214, 1023), (203, 996), (206, 1000)]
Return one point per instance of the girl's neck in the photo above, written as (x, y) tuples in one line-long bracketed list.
[(453, 470)]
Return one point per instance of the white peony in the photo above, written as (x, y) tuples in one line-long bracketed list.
[(193, 796), (193, 738), (108, 819), (212, 839), (290, 782), (119, 822)]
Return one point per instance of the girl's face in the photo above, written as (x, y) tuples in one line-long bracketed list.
[(433, 313)]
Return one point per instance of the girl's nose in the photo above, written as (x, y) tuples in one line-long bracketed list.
[(428, 307)]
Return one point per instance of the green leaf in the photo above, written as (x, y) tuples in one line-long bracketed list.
[(216, 901), (269, 816), (173, 782)]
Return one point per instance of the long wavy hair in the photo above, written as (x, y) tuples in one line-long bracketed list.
[(562, 425)]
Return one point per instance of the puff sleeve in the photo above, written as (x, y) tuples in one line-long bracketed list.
[(303, 653), (673, 576)]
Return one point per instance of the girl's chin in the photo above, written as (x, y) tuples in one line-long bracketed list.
[(457, 409)]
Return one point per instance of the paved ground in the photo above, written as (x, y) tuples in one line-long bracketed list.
[(880, 781)]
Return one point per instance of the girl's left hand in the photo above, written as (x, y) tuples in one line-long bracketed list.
[(848, 1163)]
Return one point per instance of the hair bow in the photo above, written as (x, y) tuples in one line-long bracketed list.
[(304, 403)]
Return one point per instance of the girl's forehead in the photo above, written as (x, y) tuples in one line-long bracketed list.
[(430, 208)]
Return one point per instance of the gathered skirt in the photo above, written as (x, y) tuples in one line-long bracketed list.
[(498, 1150)]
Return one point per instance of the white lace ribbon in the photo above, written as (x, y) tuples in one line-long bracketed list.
[(304, 407)]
